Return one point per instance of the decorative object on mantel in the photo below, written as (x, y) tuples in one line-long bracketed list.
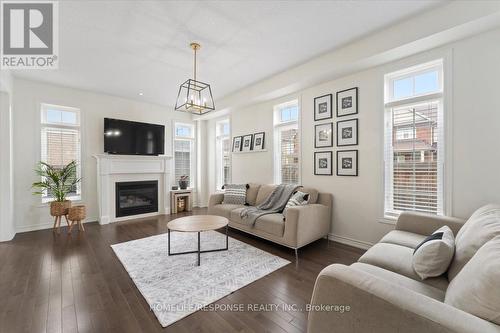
[(258, 141), (347, 133), (174, 280), (247, 143), (58, 182), (323, 135), (323, 163), (181, 200), (76, 215), (347, 162), (323, 107), (347, 102), (237, 143), (195, 96), (183, 182)]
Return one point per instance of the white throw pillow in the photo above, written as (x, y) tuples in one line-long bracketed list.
[(475, 288), (297, 199), (433, 256)]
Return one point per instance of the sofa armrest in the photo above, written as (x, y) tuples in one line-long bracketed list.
[(376, 305), (426, 224), (215, 199), (307, 223)]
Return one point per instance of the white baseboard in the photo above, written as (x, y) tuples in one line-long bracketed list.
[(350, 241), (47, 225)]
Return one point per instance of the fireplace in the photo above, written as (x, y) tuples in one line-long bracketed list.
[(134, 198)]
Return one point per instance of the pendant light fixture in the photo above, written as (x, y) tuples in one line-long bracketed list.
[(195, 96)]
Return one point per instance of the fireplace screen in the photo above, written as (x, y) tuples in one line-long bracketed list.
[(134, 198)]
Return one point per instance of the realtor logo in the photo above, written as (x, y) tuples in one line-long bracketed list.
[(29, 35)]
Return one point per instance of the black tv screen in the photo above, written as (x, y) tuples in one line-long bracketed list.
[(133, 138)]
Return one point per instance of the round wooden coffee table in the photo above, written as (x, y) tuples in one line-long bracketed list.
[(198, 223)]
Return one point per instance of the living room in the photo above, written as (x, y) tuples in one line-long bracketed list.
[(229, 166)]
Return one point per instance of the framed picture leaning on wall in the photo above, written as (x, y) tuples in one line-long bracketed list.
[(323, 107), (247, 142), (323, 163), (259, 141), (323, 135), (347, 102), (237, 143)]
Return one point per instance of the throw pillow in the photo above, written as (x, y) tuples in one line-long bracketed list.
[(235, 194), (298, 198), (433, 256), (475, 288)]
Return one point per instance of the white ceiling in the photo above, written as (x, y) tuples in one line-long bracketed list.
[(126, 47)]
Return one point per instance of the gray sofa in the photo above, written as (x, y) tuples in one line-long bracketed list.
[(383, 292), (301, 226)]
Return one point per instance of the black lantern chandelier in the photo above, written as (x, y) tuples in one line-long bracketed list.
[(195, 96)]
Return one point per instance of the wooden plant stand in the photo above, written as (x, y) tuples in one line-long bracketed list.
[(76, 215)]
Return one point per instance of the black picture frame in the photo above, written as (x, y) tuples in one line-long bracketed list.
[(339, 133), (245, 137), (240, 143), (330, 144), (256, 137), (329, 155), (329, 101), (340, 100), (355, 156)]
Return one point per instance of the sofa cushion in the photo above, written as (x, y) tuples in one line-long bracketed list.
[(432, 257), (475, 288), (264, 192), (313, 194), (398, 259), (481, 227), (224, 209), (252, 191), (403, 238), (271, 223), (299, 198), (235, 194), (397, 279)]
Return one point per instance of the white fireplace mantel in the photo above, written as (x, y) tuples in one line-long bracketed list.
[(124, 168)]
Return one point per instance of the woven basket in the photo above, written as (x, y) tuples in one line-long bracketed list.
[(77, 213), (59, 208)]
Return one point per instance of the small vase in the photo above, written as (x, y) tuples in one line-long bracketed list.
[(183, 184)]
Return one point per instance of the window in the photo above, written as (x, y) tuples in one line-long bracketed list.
[(287, 143), (60, 141), (184, 151), (223, 151), (414, 145)]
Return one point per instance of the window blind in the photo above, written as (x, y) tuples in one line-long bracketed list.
[(414, 159), (182, 157), (289, 154)]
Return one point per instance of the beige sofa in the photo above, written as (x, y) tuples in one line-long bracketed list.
[(301, 226), (383, 292)]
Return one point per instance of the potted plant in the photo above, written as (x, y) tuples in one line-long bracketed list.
[(183, 182), (57, 182)]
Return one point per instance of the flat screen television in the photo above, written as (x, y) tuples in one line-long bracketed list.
[(133, 138)]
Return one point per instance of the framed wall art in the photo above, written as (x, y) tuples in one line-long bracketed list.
[(323, 107), (259, 141), (237, 143), (347, 132), (247, 142), (347, 162), (323, 135), (347, 102), (323, 163)]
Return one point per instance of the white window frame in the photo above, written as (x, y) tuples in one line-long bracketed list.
[(391, 103), (282, 126), (44, 107), (192, 140), (219, 157)]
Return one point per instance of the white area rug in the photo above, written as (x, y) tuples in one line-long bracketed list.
[(175, 286)]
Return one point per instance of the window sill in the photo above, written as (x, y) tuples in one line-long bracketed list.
[(388, 219), (46, 202)]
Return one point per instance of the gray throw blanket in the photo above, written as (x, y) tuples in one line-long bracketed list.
[(275, 203)]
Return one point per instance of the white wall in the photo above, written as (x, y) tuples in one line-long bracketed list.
[(30, 214), (7, 229), (358, 201)]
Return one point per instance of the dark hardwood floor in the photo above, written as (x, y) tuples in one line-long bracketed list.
[(75, 283)]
